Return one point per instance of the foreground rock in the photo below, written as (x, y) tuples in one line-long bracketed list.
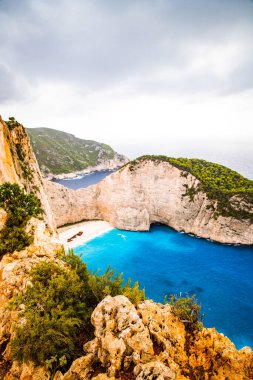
[(149, 342), (153, 192)]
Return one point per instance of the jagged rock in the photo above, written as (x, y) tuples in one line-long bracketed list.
[(149, 342), (121, 337), (152, 192), (81, 369), (212, 353), (154, 370), (166, 331), (27, 372)]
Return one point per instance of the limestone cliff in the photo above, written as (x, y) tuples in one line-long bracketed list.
[(155, 191), (150, 342), (18, 165)]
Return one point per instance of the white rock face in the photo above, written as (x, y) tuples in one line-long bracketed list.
[(152, 192)]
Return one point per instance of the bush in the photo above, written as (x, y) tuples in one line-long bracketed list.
[(187, 309), (20, 207), (54, 313), (99, 286), (12, 123), (58, 309), (109, 284)]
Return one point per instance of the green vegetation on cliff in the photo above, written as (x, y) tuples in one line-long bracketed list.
[(20, 207), (60, 152), (233, 192), (58, 309), (187, 309), (12, 123)]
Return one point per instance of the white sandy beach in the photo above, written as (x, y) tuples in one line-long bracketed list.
[(89, 229)]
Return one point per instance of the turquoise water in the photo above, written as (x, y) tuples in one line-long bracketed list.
[(168, 262)]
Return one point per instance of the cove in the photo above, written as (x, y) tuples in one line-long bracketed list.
[(164, 261)]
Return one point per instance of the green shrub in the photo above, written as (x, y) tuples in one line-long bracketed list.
[(58, 307), (12, 123), (54, 313), (99, 286), (20, 207), (187, 309), (109, 284)]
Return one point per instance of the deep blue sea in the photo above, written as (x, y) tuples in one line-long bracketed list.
[(84, 180), (168, 262)]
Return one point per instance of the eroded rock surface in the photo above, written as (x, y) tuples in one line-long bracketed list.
[(149, 342)]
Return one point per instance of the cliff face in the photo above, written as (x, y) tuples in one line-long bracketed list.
[(149, 342), (153, 192), (18, 165)]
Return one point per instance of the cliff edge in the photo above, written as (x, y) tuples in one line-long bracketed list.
[(19, 165), (148, 341), (154, 189)]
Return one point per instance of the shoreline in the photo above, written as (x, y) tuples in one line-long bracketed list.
[(88, 230), (81, 173)]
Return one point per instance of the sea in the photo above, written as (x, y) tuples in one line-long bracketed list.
[(166, 262), (84, 180)]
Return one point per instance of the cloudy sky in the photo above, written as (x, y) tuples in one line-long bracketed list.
[(155, 76)]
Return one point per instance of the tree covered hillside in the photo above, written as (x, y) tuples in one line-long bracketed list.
[(60, 152)]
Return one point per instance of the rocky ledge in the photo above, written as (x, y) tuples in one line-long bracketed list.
[(149, 342), (153, 191)]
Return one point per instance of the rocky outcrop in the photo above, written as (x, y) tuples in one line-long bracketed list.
[(150, 342), (153, 192), (18, 165)]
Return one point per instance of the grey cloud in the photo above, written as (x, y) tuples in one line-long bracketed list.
[(96, 44), (12, 87)]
